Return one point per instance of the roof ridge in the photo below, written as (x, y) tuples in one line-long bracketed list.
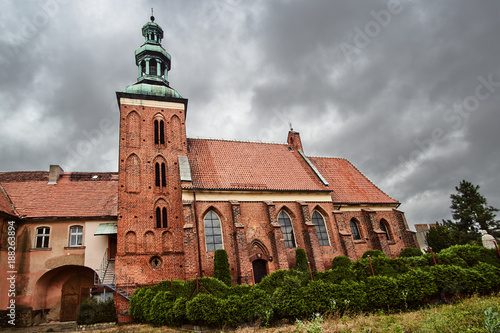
[(239, 141)]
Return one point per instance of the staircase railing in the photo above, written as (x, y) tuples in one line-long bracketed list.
[(121, 284)]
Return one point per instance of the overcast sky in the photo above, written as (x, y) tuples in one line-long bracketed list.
[(408, 91)]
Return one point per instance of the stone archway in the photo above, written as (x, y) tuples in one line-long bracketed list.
[(259, 257), (59, 291)]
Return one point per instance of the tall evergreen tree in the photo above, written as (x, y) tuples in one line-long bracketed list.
[(471, 213), (221, 266)]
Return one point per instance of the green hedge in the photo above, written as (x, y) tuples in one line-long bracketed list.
[(93, 311), (341, 261), (410, 252), (398, 284)]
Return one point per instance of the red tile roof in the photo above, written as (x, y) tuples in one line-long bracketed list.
[(236, 165), (347, 183), (5, 204), (76, 194)]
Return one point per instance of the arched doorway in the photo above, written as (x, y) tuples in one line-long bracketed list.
[(259, 269), (259, 257), (71, 295), (59, 291)]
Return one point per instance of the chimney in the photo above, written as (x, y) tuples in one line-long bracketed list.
[(55, 172), (294, 140)]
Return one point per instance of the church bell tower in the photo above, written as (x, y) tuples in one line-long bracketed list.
[(152, 146)]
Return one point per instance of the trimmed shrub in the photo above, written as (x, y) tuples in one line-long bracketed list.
[(383, 292), (93, 311), (341, 261), (177, 287), (473, 254), (373, 254), (301, 260), (176, 316), (230, 310), (490, 273), (240, 289), (451, 281), (381, 266), (348, 296), (335, 276), (290, 302), (410, 252), (207, 285), (221, 267), (161, 304), (417, 287), (139, 303), (317, 295), (257, 305), (450, 258), (276, 279), (204, 310)]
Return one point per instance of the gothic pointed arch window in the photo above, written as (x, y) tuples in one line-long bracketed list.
[(356, 235), (319, 223), (213, 232), (161, 215), (133, 129), (287, 229), (384, 226), (160, 175), (133, 174), (159, 131), (176, 132)]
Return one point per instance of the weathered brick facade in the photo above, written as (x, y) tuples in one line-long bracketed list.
[(168, 185)]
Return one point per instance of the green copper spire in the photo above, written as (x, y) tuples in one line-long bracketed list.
[(153, 63)]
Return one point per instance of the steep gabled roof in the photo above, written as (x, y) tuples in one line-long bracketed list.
[(76, 195), (236, 165), (6, 206), (347, 183)]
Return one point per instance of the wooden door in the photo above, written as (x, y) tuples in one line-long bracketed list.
[(70, 296), (259, 269)]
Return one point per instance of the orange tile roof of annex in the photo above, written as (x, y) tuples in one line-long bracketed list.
[(215, 165)]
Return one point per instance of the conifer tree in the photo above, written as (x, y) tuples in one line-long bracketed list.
[(221, 267), (301, 260)]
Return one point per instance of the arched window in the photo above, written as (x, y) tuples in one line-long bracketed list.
[(213, 232), (287, 229), (160, 174), (159, 132), (133, 174), (76, 235), (355, 230), (319, 223), (385, 228), (42, 237), (161, 217)]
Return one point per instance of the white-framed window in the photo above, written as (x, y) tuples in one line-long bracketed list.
[(213, 232), (42, 237), (319, 223), (287, 229), (76, 235)]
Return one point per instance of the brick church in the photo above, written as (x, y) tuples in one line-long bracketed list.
[(174, 201)]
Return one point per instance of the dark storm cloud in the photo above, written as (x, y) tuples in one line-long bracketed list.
[(376, 82)]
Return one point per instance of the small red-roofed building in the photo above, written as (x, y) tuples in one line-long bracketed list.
[(174, 201)]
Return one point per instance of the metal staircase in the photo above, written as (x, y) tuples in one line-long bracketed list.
[(106, 277)]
